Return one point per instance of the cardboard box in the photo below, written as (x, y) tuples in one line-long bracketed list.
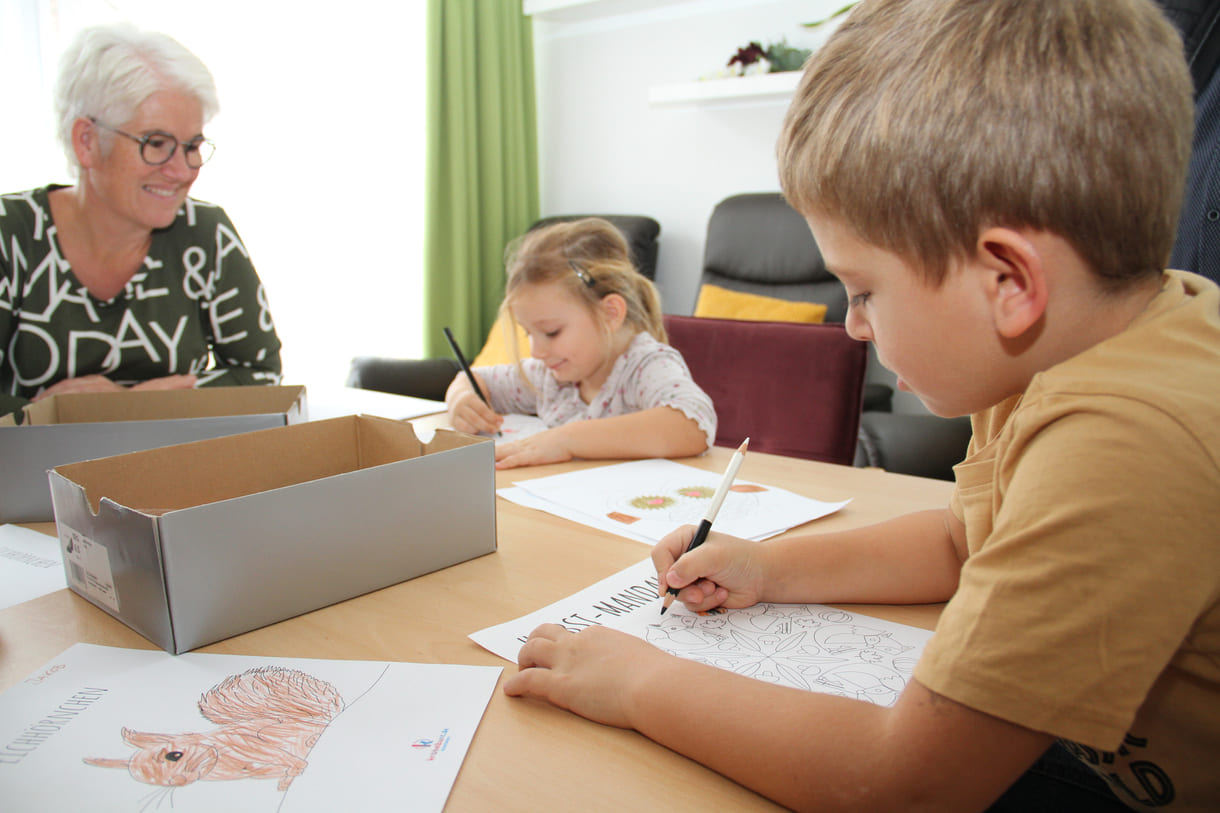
[(70, 428), (193, 543)]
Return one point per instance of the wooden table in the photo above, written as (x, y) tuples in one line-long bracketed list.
[(527, 755)]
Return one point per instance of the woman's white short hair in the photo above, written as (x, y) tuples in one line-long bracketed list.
[(109, 70)]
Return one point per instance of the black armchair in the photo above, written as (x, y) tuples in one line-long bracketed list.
[(757, 243), (419, 378), (430, 378)]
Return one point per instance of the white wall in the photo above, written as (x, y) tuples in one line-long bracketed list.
[(319, 160), (604, 149)]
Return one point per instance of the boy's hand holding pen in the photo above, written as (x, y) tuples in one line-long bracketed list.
[(664, 555)]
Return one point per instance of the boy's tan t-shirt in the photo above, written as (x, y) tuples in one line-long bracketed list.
[(1089, 606)]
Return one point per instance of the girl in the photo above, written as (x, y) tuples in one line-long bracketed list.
[(600, 374)]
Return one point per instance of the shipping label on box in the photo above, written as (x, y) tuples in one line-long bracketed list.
[(87, 567)]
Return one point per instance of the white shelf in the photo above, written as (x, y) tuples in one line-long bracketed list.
[(570, 11), (775, 85)]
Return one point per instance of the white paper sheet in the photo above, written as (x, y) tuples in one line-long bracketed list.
[(31, 565), (647, 499), (522, 497), (805, 646), (516, 427), (397, 741)]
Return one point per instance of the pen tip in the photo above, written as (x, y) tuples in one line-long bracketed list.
[(743, 445)]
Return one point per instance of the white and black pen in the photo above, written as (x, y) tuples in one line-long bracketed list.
[(705, 525)]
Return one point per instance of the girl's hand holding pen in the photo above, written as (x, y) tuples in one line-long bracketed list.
[(722, 572), (468, 412)]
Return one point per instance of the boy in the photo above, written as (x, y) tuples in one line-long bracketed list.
[(996, 183)]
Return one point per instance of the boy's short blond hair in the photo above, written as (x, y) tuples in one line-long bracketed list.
[(922, 122)]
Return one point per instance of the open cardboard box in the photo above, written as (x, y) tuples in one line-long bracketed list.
[(82, 426), (193, 543)]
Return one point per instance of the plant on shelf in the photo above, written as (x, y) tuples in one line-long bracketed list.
[(750, 59), (778, 57), (753, 59), (784, 57)]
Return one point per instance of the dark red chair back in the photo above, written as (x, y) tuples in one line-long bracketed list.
[(793, 389)]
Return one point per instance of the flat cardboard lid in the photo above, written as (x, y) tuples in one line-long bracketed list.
[(145, 405)]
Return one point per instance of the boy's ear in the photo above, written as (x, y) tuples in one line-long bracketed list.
[(1015, 279), (614, 309)]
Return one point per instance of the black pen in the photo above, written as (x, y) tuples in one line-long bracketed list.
[(705, 526), (461, 359)]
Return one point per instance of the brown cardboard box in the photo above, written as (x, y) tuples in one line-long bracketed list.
[(82, 426), (193, 543)]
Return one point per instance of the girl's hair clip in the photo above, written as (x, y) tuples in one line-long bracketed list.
[(582, 274)]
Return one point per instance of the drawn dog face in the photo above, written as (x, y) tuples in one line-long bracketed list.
[(163, 759)]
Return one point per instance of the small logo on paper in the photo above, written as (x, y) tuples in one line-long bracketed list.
[(433, 746)]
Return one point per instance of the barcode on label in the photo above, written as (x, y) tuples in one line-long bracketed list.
[(78, 572)]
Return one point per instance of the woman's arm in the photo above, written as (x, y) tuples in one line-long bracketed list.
[(245, 347), (8, 305), (241, 334), (100, 383)]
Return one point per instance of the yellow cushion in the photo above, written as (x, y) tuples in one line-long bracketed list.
[(721, 303), (497, 350)]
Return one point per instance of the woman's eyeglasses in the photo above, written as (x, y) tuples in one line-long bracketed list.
[(156, 148)]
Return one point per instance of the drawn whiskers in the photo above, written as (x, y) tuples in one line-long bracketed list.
[(157, 797)]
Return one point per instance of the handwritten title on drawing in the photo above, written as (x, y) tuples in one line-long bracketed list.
[(623, 603), (42, 730)]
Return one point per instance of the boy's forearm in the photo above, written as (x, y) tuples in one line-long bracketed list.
[(781, 742), (813, 751), (910, 559)]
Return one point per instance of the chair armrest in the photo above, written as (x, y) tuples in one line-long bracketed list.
[(923, 445), (419, 378)]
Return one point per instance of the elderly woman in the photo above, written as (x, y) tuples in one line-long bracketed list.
[(123, 281)]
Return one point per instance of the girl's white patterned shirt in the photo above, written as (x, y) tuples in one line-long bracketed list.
[(648, 374)]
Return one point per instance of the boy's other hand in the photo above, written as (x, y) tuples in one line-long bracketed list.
[(590, 673)]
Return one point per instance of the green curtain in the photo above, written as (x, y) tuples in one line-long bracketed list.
[(481, 180)]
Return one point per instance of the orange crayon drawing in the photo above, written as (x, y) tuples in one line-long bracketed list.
[(269, 717)]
